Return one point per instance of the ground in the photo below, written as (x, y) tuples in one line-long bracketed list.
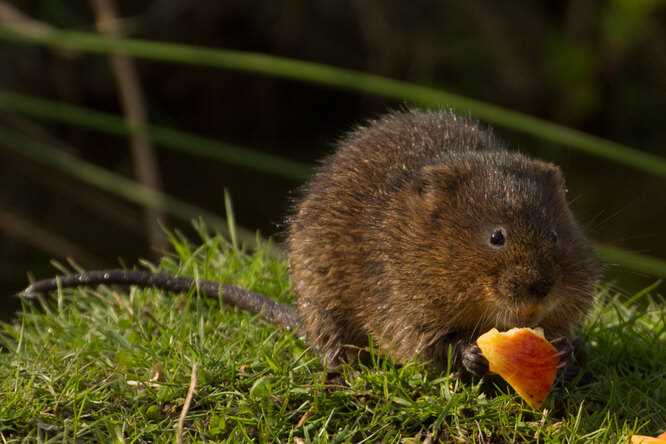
[(109, 365)]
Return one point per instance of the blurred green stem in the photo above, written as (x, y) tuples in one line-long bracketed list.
[(130, 91), (160, 135), (115, 183), (631, 261)]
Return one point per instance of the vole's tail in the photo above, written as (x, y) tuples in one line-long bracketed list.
[(283, 315)]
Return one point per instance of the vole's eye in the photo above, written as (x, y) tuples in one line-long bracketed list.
[(498, 238)]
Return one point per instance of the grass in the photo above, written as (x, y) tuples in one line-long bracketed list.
[(106, 366)]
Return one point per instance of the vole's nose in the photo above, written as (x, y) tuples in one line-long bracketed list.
[(540, 288)]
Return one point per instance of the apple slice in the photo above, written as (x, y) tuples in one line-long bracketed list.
[(523, 358), (640, 439)]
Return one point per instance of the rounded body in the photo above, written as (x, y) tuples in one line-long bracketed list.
[(421, 230)]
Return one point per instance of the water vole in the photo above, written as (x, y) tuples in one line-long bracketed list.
[(420, 231)]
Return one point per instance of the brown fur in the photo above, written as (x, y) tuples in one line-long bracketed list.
[(391, 241)]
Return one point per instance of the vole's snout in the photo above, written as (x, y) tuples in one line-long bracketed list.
[(540, 288), (526, 284)]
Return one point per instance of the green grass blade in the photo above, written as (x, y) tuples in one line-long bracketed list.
[(115, 183), (341, 78), (161, 136), (643, 293), (231, 219)]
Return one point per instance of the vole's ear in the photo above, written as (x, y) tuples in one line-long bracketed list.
[(554, 175), (440, 177)]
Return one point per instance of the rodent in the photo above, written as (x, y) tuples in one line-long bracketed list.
[(420, 231)]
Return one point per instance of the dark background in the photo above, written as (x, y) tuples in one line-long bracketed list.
[(598, 66)]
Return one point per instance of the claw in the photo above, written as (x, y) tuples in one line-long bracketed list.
[(563, 354), (565, 351)]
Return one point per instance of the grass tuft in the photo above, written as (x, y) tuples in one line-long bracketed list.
[(110, 365)]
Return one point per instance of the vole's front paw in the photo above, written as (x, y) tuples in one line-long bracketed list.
[(473, 360), (569, 351), (566, 351)]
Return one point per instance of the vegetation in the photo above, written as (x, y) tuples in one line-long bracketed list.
[(109, 365), (103, 365)]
